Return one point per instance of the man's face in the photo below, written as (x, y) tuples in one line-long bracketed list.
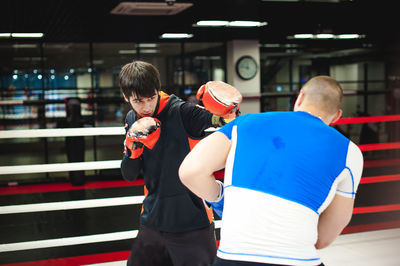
[(143, 106)]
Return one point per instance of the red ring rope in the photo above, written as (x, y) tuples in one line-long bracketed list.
[(367, 119)]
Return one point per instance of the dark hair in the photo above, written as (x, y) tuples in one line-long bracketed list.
[(139, 79)]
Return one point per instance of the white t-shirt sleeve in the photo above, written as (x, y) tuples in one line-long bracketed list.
[(351, 175)]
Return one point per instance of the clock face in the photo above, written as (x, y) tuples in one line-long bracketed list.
[(246, 67)]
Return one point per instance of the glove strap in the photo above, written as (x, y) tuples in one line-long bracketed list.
[(137, 150), (221, 191), (134, 147)]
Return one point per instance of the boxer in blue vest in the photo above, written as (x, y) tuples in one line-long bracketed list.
[(290, 180)]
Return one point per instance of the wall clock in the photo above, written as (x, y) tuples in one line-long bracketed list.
[(246, 67)]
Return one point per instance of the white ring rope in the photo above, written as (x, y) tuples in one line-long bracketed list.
[(66, 132), (61, 132), (71, 205), (75, 240), (59, 167)]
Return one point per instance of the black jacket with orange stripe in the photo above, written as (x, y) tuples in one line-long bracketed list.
[(169, 206)]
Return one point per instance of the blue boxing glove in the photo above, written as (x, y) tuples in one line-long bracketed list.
[(218, 204)]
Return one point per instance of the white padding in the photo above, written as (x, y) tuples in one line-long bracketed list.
[(59, 167)]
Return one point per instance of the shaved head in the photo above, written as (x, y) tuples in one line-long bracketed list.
[(323, 93)]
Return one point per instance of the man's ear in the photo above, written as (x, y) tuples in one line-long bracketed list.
[(299, 100), (337, 116)]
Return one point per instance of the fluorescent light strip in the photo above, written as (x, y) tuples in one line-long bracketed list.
[(224, 23), (71, 205), (27, 35), (77, 240), (176, 36), (303, 36), (5, 35), (349, 36), (212, 23), (326, 36), (246, 24)]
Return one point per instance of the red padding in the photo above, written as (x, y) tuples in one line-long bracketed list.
[(80, 260), (380, 146), (380, 208), (379, 179), (367, 119)]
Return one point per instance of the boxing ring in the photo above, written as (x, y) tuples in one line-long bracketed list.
[(389, 205)]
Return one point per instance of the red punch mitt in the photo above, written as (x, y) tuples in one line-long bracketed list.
[(144, 132), (220, 98)]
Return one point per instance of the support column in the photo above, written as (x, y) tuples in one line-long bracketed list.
[(250, 89)]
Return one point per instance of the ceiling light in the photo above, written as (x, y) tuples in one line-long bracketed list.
[(324, 36), (176, 36), (348, 36), (319, 1), (303, 36), (5, 35), (212, 23), (245, 23), (27, 35)]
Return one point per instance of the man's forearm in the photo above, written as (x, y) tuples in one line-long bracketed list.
[(333, 220), (204, 186), (130, 168), (196, 170)]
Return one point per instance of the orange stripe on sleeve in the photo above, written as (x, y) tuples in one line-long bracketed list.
[(145, 195), (193, 142), (209, 212)]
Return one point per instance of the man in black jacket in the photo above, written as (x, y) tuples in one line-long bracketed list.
[(176, 226)]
